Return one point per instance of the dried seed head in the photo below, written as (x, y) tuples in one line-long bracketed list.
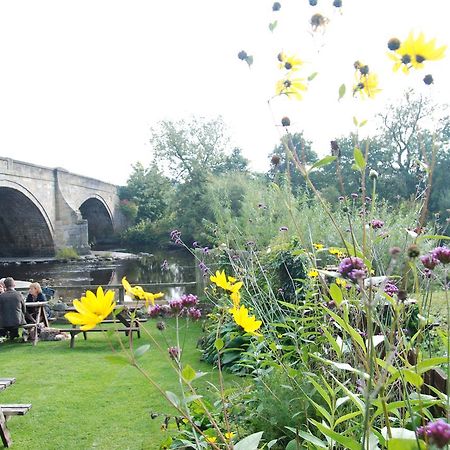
[(242, 55), (413, 251), (285, 121), (428, 79), (275, 160), (393, 44), (276, 6)]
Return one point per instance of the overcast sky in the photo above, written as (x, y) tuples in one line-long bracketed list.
[(82, 82)]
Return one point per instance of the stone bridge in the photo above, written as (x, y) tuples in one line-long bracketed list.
[(43, 210)]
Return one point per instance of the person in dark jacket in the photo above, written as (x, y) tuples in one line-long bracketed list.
[(12, 310)]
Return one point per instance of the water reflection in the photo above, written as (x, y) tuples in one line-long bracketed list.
[(148, 269)]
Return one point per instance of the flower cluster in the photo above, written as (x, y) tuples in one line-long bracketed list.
[(238, 311), (390, 288), (352, 268), (366, 82), (439, 255), (183, 306), (288, 85), (174, 352), (436, 433), (413, 52), (175, 236)]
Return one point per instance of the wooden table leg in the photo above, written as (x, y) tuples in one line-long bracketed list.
[(4, 432), (38, 320), (44, 317)]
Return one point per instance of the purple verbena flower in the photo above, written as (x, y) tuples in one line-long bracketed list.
[(436, 433), (203, 267), (175, 234), (376, 224), (154, 311), (205, 250), (178, 241), (390, 288), (442, 254), (188, 300), (164, 265), (429, 261), (341, 198), (175, 305), (194, 313), (354, 195), (195, 244), (352, 268)]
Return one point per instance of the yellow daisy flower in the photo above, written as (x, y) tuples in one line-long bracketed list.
[(92, 309), (229, 435), (291, 87), (249, 324), (291, 63), (138, 293), (367, 86), (318, 246), (341, 282), (414, 51), (313, 273)]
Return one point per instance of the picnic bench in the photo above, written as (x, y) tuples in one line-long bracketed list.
[(130, 325), (8, 410)]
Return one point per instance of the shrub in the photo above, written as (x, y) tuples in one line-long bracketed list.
[(67, 253)]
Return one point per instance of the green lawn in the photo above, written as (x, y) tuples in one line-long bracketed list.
[(83, 401)]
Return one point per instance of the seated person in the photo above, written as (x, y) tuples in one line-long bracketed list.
[(12, 310), (35, 294)]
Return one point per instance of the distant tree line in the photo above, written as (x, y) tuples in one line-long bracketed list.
[(193, 161)]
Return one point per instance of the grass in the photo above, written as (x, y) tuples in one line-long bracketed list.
[(81, 400)]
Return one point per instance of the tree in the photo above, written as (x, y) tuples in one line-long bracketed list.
[(149, 189), (188, 147), (236, 162)]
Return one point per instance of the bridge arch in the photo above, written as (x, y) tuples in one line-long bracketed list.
[(25, 228), (100, 219)]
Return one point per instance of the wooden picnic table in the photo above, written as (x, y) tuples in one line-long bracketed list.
[(122, 316), (37, 308), (6, 411)]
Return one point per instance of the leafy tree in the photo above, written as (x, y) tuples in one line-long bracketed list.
[(149, 189), (236, 162), (188, 147)]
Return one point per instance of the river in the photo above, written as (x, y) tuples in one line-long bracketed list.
[(145, 269)]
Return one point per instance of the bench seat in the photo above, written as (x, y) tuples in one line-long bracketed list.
[(74, 331), (15, 409)]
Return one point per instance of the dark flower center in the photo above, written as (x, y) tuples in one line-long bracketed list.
[(288, 66), (406, 59), (420, 59), (287, 83)]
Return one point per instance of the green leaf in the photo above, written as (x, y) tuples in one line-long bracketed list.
[(219, 344), (430, 363), (173, 398), (336, 294), (141, 350), (249, 60), (273, 25), (336, 347), (359, 159), (346, 417), (404, 444), (412, 377), (364, 122), (192, 398), (250, 442), (292, 445), (323, 393), (188, 373), (432, 236), (343, 440), (355, 121), (341, 91), (322, 162), (312, 76), (118, 359), (312, 439)]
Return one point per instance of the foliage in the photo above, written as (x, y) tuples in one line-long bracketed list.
[(67, 253)]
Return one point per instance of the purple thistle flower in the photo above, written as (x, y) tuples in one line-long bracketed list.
[(174, 352), (436, 433), (376, 224), (429, 261), (352, 268), (284, 228), (442, 254)]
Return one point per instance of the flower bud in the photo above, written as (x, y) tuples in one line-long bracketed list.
[(313, 2), (276, 6), (413, 251), (428, 79), (393, 44), (275, 160), (242, 55), (285, 121), (337, 3), (373, 174)]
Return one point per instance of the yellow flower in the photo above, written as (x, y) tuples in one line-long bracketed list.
[(220, 280), (367, 86), (292, 62), (333, 251), (229, 435), (414, 51), (291, 87), (313, 273), (249, 324), (211, 439), (139, 293), (341, 282), (318, 246), (236, 298), (92, 309)]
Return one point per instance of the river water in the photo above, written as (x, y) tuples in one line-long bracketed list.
[(180, 268)]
